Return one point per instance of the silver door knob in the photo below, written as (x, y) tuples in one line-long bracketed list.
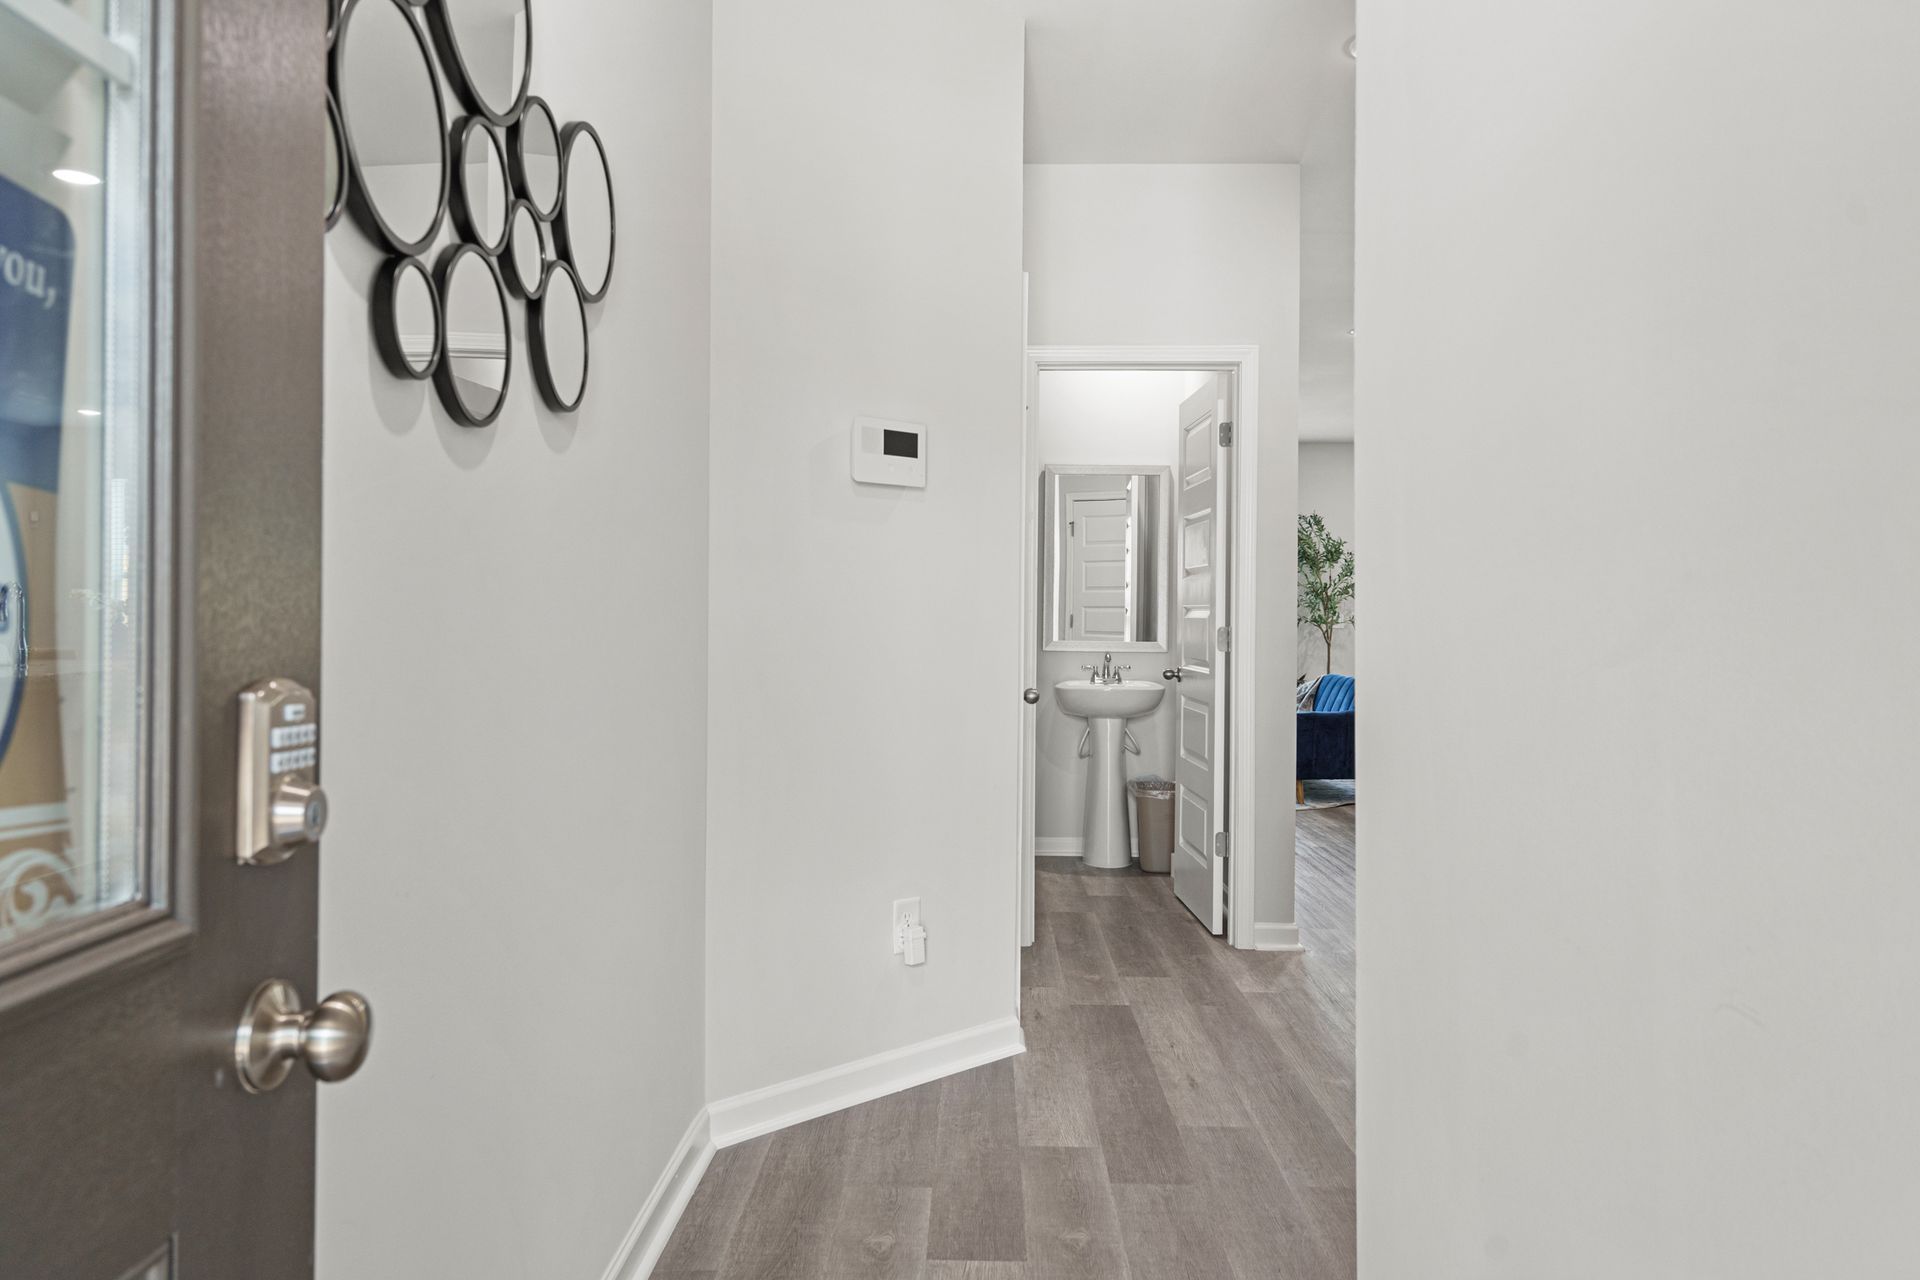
[(1171, 673), (1031, 696), (298, 813), (331, 1038)]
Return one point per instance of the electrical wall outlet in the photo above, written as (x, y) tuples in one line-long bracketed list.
[(906, 916)]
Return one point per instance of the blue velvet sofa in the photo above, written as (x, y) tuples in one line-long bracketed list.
[(1324, 735)]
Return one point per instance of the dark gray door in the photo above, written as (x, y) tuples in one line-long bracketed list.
[(161, 171)]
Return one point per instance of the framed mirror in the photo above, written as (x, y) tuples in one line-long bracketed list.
[(487, 49), (526, 257), (1104, 578), (481, 198), (585, 225), (336, 180), (534, 148), (408, 326), (393, 124), (476, 364), (559, 339)]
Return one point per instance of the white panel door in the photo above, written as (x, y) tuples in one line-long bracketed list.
[(1099, 564), (1199, 770)]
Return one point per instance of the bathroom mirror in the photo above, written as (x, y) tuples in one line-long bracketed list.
[(535, 151), (477, 361), (393, 123), (481, 200), (487, 49), (407, 324), (526, 257), (1104, 581), (336, 180), (559, 339), (585, 225)]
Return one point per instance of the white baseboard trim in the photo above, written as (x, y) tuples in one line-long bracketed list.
[(1070, 846), (748, 1115), (653, 1227), (1277, 937)]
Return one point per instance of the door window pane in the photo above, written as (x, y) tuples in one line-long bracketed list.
[(76, 461)]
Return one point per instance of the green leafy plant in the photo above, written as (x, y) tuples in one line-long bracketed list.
[(1326, 580)]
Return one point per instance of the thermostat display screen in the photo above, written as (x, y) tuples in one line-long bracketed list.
[(901, 444)]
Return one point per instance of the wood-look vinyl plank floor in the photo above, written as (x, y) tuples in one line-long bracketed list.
[(1183, 1111)]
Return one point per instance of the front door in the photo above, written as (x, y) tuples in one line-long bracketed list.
[(1200, 768), (161, 216)]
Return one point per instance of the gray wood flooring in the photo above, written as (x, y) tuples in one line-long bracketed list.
[(1182, 1110)]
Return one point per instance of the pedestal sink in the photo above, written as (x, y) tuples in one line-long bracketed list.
[(1106, 708)]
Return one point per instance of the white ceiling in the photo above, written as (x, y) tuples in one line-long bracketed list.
[(1177, 81), (1218, 82)]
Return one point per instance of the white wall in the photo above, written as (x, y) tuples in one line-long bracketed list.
[(1187, 255), (1636, 297), (515, 709), (1326, 486), (865, 641), (1111, 417)]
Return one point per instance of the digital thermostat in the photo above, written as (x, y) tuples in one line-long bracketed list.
[(889, 452)]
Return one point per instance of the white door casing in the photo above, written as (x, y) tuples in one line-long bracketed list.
[(1202, 535)]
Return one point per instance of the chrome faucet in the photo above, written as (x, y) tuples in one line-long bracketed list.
[(1106, 672)]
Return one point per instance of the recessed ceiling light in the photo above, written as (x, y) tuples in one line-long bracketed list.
[(1352, 47), (1349, 333), (78, 177), (89, 413)]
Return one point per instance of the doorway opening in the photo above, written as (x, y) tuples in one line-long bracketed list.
[(1137, 595)]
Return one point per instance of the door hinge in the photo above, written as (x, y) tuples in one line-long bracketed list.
[(1226, 435), (1222, 847), (1223, 640)]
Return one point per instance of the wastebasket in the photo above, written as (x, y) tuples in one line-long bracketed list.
[(1153, 822)]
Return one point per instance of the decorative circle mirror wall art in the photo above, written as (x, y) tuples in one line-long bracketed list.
[(481, 200), (336, 181), (585, 225), (394, 125), (408, 325), (536, 159), (476, 365), (525, 260), (530, 197), (559, 339), (487, 49)]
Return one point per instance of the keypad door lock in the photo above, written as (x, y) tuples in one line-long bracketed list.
[(280, 805)]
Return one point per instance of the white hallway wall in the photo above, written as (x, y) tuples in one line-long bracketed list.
[(1117, 418), (1326, 486), (1196, 255), (1636, 297), (864, 641), (515, 705)]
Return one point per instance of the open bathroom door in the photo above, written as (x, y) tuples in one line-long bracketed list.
[(1200, 643)]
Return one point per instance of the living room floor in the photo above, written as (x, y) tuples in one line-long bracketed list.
[(1183, 1109)]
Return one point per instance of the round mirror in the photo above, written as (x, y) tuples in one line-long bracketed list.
[(536, 158), (478, 361), (526, 255), (487, 49), (559, 339), (407, 324), (586, 217), (391, 118), (336, 179), (481, 200)]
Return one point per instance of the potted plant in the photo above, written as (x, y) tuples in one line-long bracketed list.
[(1326, 580)]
